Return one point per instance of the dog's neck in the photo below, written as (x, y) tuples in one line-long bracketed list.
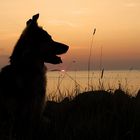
[(30, 66)]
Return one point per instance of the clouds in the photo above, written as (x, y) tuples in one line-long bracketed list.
[(131, 4), (70, 19), (79, 12), (58, 22)]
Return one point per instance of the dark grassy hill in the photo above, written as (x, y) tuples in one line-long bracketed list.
[(95, 115)]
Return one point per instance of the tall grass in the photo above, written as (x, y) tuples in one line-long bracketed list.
[(98, 81), (95, 115), (89, 59)]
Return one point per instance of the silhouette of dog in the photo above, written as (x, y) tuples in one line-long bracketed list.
[(23, 81)]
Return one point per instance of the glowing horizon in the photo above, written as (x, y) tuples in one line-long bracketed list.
[(72, 22)]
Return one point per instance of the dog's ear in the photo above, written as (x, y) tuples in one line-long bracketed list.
[(35, 17), (33, 20), (28, 22)]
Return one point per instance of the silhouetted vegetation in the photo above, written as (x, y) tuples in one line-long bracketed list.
[(95, 115)]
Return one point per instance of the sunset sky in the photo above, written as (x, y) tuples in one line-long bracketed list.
[(72, 22)]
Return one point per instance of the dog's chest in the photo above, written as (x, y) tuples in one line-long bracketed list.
[(25, 83)]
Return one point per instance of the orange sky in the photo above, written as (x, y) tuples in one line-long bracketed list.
[(72, 22)]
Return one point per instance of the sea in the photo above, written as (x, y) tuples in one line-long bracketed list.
[(68, 83)]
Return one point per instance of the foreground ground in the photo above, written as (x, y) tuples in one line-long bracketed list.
[(95, 115)]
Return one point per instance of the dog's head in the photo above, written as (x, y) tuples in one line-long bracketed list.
[(36, 43)]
